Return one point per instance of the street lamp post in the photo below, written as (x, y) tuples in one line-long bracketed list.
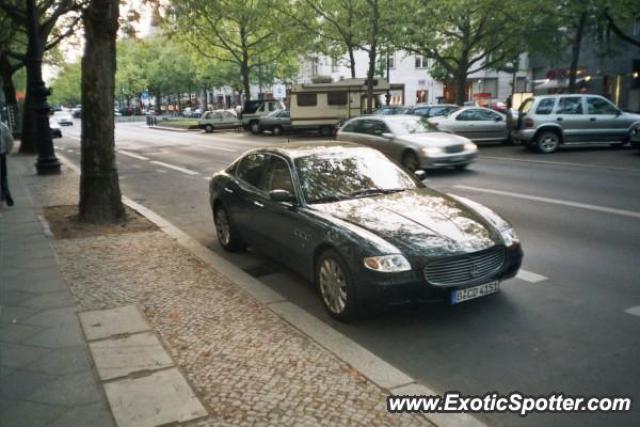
[(47, 163), (387, 96)]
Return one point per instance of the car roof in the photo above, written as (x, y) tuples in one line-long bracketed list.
[(302, 149), (434, 105)]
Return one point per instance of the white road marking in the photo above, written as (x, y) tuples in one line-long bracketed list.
[(634, 311), (622, 212), (135, 156), (206, 178), (174, 167), (547, 162), (216, 148), (531, 277)]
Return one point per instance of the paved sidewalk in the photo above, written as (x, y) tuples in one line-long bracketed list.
[(46, 374)]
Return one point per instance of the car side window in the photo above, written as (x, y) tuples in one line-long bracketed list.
[(352, 126), (545, 106), (469, 115), (421, 111), (278, 176), (217, 116), (600, 106), (374, 127), (569, 105), (206, 115), (251, 168)]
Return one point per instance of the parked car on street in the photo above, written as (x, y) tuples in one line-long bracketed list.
[(548, 122), (219, 119), (63, 118), (255, 109), (410, 141), (54, 127), (359, 227), (390, 110), (432, 110), (276, 122), (476, 123), (77, 111)]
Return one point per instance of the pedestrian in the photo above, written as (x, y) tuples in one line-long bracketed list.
[(6, 145)]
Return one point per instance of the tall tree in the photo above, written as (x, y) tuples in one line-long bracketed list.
[(38, 19), (248, 33), (464, 36), (621, 16), (100, 198)]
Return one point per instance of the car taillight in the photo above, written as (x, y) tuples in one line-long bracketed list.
[(528, 122)]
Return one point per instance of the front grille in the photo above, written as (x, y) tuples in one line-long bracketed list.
[(461, 269), (454, 148)]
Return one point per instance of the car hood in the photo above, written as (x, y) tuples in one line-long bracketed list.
[(434, 139), (418, 222)]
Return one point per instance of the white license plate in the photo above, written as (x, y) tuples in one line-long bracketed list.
[(460, 295)]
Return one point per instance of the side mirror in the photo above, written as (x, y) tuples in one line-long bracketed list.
[(281, 196), (387, 135), (618, 113), (498, 119), (420, 174)]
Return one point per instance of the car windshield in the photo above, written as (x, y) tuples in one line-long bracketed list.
[(409, 125), (351, 174)]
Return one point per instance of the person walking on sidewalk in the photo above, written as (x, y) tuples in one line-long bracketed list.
[(6, 145)]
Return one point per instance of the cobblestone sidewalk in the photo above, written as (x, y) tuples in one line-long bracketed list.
[(247, 365)]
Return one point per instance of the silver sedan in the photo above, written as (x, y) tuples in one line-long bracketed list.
[(410, 140), (475, 123)]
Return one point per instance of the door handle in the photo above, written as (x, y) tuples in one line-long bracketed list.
[(559, 119), (258, 204), (228, 190), (593, 119)]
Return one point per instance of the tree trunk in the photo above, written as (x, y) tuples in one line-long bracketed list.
[(460, 80), (352, 62), (575, 53), (244, 69), (373, 44), (100, 198)]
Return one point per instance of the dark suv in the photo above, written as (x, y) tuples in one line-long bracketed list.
[(547, 122)]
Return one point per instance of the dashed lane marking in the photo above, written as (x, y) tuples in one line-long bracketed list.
[(547, 162), (605, 209), (133, 155), (531, 277), (174, 167), (634, 311)]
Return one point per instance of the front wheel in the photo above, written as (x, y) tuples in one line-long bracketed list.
[(410, 161), (208, 128), (335, 286), (254, 127), (277, 131), (548, 142), (227, 236)]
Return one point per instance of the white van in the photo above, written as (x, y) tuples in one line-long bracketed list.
[(321, 106)]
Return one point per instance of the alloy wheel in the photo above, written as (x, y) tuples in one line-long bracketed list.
[(548, 142), (223, 229), (333, 285)]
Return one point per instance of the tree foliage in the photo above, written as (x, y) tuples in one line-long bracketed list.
[(65, 89)]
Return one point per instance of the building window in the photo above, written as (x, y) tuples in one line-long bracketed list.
[(335, 98), (307, 99), (421, 61), (422, 96)]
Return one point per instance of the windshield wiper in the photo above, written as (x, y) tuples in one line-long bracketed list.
[(374, 191)]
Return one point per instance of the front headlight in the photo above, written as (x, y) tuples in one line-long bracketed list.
[(470, 146), (509, 236), (387, 263), (432, 151)]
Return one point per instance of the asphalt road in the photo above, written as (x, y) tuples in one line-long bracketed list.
[(562, 326)]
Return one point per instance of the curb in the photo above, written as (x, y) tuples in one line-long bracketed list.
[(173, 129), (375, 369)]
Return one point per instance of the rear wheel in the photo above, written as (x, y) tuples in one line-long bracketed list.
[(547, 142), (325, 131), (227, 236), (410, 161), (254, 127), (277, 130), (336, 287), (208, 128)]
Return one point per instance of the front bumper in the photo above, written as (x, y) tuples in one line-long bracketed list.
[(445, 160), (411, 286)]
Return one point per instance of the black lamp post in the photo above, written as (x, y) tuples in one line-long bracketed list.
[(47, 163), (387, 96)]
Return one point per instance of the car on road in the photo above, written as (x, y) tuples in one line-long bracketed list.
[(410, 141), (549, 122), (254, 110), (276, 122), (54, 127), (77, 111), (360, 227), (390, 110), (432, 110), (479, 124), (63, 118), (219, 119)]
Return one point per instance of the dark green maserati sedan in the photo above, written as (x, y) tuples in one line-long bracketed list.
[(360, 227)]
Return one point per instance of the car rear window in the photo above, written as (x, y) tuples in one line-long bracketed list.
[(545, 106)]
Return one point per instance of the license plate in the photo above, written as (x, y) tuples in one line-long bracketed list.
[(460, 295)]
